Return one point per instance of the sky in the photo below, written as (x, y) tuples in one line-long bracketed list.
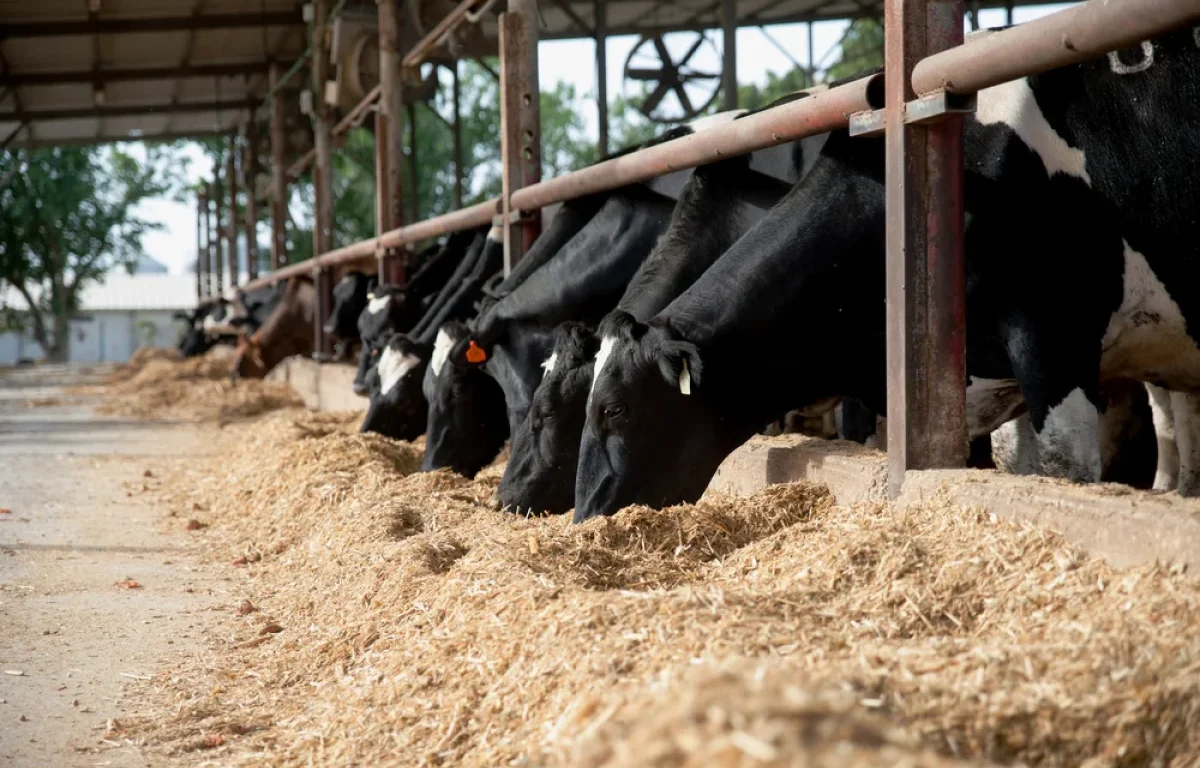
[(572, 61)]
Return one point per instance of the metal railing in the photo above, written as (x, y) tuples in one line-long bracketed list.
[(925, 391)]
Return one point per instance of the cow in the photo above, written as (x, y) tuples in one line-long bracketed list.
[(511, 339), (392, 308), (196, 340), (1080, 269), (1176, 418), (395, 385), (349, 300), (288, 331), (717, 206)]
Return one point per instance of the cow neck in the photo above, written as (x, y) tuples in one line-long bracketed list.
[(795, 292), (718, 206), (460, 273), (587, 276), (289, 329)]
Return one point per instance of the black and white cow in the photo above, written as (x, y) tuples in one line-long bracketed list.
[(392, 308), (719, 203), (349, 300), (1082, 253), (509, 341), (398, 406)]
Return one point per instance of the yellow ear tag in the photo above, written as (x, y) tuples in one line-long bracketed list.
[(475, 354)]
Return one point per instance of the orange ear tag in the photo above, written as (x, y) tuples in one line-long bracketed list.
[(475, 354)]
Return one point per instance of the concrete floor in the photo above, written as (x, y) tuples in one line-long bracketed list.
[(77, 525)]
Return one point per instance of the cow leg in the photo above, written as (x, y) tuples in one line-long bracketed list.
[(1015, 446), (1166, 478), (1069, 437), (1127, 444), (1185, 408)]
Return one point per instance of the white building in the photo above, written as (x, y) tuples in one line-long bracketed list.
[(115, 318)]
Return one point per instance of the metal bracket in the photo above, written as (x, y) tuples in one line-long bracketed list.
[(930, 108)]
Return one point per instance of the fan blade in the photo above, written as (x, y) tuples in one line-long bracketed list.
[(663, 53), (698, 76), (688, 109), (641, 73), (652, 101), (692, 51)]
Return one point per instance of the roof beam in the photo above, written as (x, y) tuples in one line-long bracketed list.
[(11, 31), (235, 69), (128, 111)]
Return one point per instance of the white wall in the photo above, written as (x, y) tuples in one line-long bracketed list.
[(107, 336)]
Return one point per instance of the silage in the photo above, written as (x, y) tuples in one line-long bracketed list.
[(158, 384), (420, 627)]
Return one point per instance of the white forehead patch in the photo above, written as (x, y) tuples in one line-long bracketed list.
[(375, 306), (685, 379), (496, 234), (394, 366), (606, 348), (548, 366), (441, 351)]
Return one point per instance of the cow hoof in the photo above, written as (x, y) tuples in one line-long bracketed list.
[(495, 501)]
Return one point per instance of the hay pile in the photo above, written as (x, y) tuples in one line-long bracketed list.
[(157, 383), (141, 357), (395, 619)]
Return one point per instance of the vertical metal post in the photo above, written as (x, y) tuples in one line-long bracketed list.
[(201, 245), (250, 176), (926, 313), (279, 198), (233, 224), (458, 155), (414, 195), (520, 122), (210, 202), (218, 196), (322, 173), (812, 57), (390, 148), (973, 15), (729, 94), (601, 31), (1008, 13)]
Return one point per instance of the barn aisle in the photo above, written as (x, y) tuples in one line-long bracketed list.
[(95, 589)]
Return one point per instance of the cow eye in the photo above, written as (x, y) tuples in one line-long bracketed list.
[(613, 411)]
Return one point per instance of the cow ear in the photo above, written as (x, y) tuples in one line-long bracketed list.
[(679, 363)]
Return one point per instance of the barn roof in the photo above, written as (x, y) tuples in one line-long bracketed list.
[(81, 71), (125, 292)]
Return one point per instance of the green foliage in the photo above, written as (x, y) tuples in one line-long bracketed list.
[(66, 218), (862, 50), (754, 96)]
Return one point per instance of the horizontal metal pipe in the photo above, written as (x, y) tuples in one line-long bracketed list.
[(820, 112), (465, 218), (427, 44), (1067, 37)]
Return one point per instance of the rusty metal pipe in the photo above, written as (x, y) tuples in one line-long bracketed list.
[(474, 216), (426, 45), (1076, 34), (821, 112)]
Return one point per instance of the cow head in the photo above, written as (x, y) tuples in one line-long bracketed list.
[(398, 407), (248, 362), (467, 423), (376, 321), (349, 300), (540, 475), (650, 437)]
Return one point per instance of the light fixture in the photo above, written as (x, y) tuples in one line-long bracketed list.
[(98, 94), (94, 6)]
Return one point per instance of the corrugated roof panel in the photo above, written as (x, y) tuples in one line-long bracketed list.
[(145, 49), (121, 291), (37, 54), (118, 94)]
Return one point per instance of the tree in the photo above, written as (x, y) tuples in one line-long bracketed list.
[(862, 50), (67, 218)]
